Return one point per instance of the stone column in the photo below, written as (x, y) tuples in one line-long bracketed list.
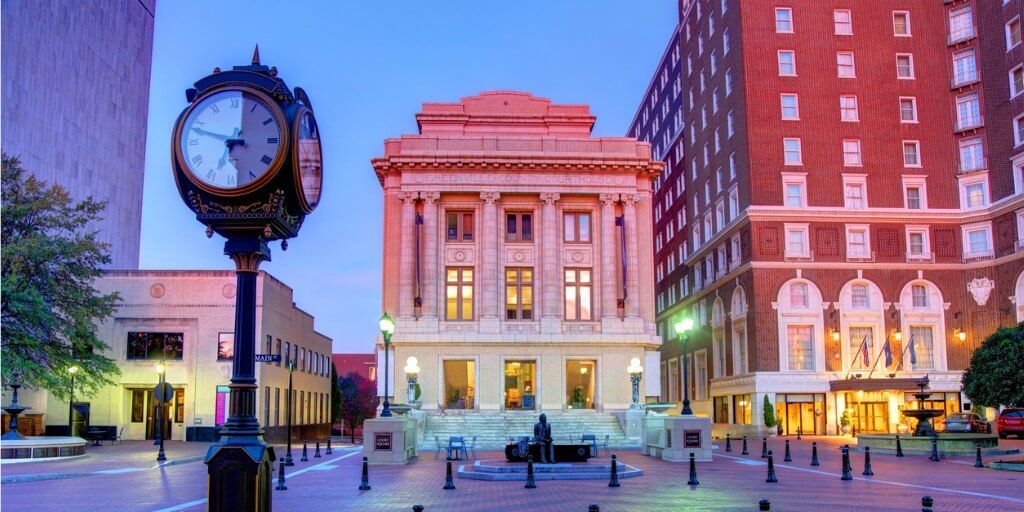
[(632, 256), (489, 263), (430, 270), (609, 281), (549, 263), (407, 255)]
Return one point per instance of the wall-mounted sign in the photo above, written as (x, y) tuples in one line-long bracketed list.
[(268, 358), (691, 439), (382, 442)]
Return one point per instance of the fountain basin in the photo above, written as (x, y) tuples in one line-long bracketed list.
[(949, 444), (32, 449), (499, 470)]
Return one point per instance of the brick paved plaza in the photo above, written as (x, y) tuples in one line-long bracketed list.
[(127, 480)]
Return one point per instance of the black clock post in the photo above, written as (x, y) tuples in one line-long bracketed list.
[(247, 161)]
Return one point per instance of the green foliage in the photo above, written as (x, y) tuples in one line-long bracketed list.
[(50, 258), (576, 397), (416, 392), (336, 397), (845, 421), (453, 396), (769, 413), (995, 376)]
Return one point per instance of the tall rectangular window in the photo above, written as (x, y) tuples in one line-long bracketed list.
[(972, 154), (904, 66), (911, 153), (576, 227), (919, 296), (848, 108), (845, 66), (965, 67), (860, 341), (578, 294), (225, 346), (851, 153), (857, 243), (854, 193), (913, 197), (961, 24), (458, 293), (790, 107), (1017, 81), (901, 23), (924, 347), (519, 294), (843, 21), (791, 152), (787, 63), (784, 20), (1013, 33), (460, 226), (968, 111), (908, 109), (518, 227), (800, 342), (917, 242), (794, 195)]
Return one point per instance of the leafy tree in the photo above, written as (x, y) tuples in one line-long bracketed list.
[(995, 377), (50, 258), (358, 401), (769, 413)]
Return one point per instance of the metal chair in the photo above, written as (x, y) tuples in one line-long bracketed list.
[(590, 439), (604, 445), (456, 444), (471, 448), (119, 438), (440, 447)]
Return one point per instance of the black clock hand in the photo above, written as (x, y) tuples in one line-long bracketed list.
[(211, 134)]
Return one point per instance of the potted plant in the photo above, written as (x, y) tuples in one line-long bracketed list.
[(576, 400), (770, 422), (844, 423), (454, 398)]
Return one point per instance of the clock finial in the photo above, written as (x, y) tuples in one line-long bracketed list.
[(256, 56)]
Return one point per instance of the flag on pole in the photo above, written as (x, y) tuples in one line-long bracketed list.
[(865, 350), (913, 353), (888, 353)]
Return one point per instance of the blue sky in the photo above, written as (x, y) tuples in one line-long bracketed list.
[(367, 67)]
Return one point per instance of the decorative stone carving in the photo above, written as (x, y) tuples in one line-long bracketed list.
[(981, 288), (430, 198), (522, 328), (519, 256), (228, 291), (584, 256), (460, 255), (549, 198), (608, 199), (569, 328), (157, 290), (490, 197), (465, 327), (408, 197), (630, 199)]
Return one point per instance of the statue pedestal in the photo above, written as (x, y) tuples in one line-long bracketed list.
[(674, 438), (635, 423), (389, 440)]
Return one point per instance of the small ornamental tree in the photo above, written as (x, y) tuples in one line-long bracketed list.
[(995, 376), (358, 401), (769, 413), (335, 395), (50, 258)]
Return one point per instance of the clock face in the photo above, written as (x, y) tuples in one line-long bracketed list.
[(310, 158), (231, 139)]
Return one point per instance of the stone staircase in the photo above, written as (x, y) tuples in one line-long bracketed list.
[(494, 429)]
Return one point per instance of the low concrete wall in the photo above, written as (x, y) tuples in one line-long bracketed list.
[(277, 435)]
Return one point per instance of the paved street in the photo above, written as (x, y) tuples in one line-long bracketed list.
[(731, 482)]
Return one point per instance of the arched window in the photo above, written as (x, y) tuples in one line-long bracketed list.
[(1018, 291), (718, 338), (798, 295), (740, 364), (862, 326), (923, 324), (801, 326), (859, 296)]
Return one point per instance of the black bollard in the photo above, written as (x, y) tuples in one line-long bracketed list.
[(745, 451), (771, 469), (764, 447), (417, 508), (593, 508), (280, 477), (364, 485), (798, 431), (764, 505), (899, 446), (329, 452), (449, 484), (614, 481), (814, 454), (926, 504), (693, 471), (530, 483), (304, 457), (934, 457), (788, 457), (728, 443), (316, 454), (977, 458), (847, 470), (867, 462)]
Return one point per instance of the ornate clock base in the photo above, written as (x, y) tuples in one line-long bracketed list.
[(240, 470)]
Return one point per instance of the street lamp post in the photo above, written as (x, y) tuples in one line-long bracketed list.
[(683, 328), (71, 402), (412, 374), (387, 328), (288, 411), (636, 371), (161, 369)]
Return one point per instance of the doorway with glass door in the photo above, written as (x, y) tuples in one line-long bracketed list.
[(801, 413), (579, 385)]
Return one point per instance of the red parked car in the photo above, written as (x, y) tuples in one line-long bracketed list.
[(1011, 421)]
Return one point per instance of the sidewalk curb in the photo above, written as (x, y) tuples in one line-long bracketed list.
[(38, 477)]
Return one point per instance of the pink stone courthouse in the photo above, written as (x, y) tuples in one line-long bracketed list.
[(518, 259)]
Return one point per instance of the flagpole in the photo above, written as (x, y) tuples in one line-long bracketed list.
[(859, 349), (903, 353), (879, 356)]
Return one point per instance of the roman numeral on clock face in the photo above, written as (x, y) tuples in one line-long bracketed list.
[(266, 159), (236, 102), (268, 121), (197, 160), (271, 140)]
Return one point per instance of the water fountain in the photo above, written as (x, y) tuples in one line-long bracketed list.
[(14, 410), (923, 416), (15, 447)]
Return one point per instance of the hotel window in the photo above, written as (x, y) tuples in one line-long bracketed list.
[(790, 107), (734, 203), (917, 242), (965, 68), (458, 293), (851, 153), (1018, 130), (848, 108), (1017, 81), (972, 155), (978, 240), (728, 82), (784, 20), (730, 126), (791, 152), (968, 111), (741, 407), (904, 66), (288, 360), (924, 347), (853, 193), (845, 67), (725, 42), (460, 226), (280, 353), (787, 63), (796, 242), (518, 294), (859, 296), (860, 338), (843, 21), (919, 296), (857, 243), (800, 341), (518, 227), (736, 250), (155, 345), (961, 24), (911, 153), (908, 109), (901, 23), (795, 190), (225, 346), (913, 193), (1013, 35), (577, 227), (732, 166), (578, 294)]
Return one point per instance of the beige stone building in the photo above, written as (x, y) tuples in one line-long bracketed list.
[(518, 257), (185, 319)]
